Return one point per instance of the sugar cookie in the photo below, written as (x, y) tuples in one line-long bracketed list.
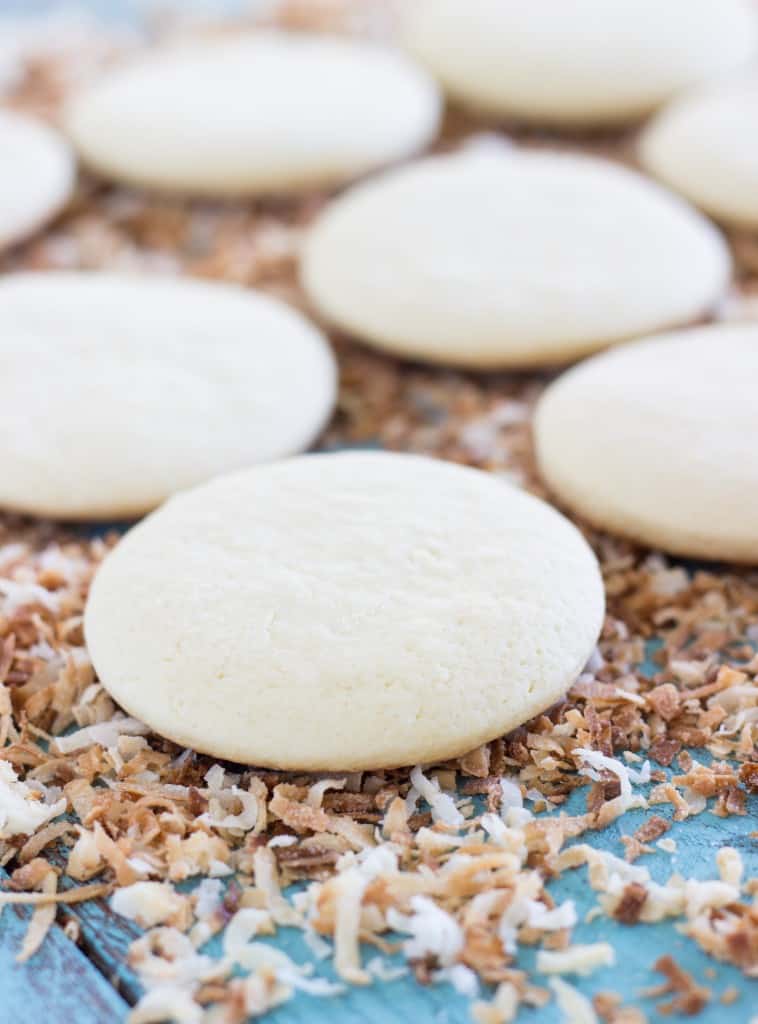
[(36, 176), (510, 259), (656, 440), (705, 145), (348, 611), (119, 390), (262, 113), (586, 62)]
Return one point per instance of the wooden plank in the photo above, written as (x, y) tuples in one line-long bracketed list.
[(105, 938), (58, 984)]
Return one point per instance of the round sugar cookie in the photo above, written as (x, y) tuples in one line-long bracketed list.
[(36, 176), (343, 612), (705, 145), (510, 258), (260, 113), (587, 62), (119, 390), (656, 440)]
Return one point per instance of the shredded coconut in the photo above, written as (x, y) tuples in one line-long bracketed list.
[(578, 959), (151, 903), (575, 1007), (442, 805), (20, 812)]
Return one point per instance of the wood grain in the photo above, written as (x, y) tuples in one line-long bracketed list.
[(59, 985)]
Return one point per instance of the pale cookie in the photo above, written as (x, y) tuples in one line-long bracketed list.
[(37, 176), (344, 612), (260, 113), (656, 441), (705, 145), (510, 258), (584, 62), (119, 390)]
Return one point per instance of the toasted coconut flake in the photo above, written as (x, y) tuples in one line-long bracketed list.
[(729, 863), (594, 763), (628, 907), (434, 932), (315, 796), (351, 885), (690, 998), (165, 956), (168, 1003), (21, 810), (220, 817), (42, 919), (700, 896), (653, 828), (575, 1007), (442, 805), (37, 843), (199, 853), (395, 822), (84, 859), (105, 734), (84, 892), (152, 903), (115, 856), (287, 805), (26, 595), (502, 1009), (281, 840), (577, 959), (267, 881), (546, 920), (246, 923)]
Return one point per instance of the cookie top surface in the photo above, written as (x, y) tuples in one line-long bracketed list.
[(705, 146), (266, 112), (37, 176), (345, 611), (497, 257), (656, 440), (120, 390), (588, 62)]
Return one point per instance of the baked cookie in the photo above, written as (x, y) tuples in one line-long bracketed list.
[(268, 112), (498, 257), (583, 63), (119, 390), (656, 440), (705, 146), (37, 176), (346, 611)]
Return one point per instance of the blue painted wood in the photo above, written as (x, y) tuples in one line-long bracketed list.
[(105, 938), (59, 985)]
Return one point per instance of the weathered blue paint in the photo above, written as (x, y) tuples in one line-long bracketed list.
[(59, 985), (105, 938)]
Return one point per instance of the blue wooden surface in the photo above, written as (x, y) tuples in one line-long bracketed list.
[(58, 985)]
